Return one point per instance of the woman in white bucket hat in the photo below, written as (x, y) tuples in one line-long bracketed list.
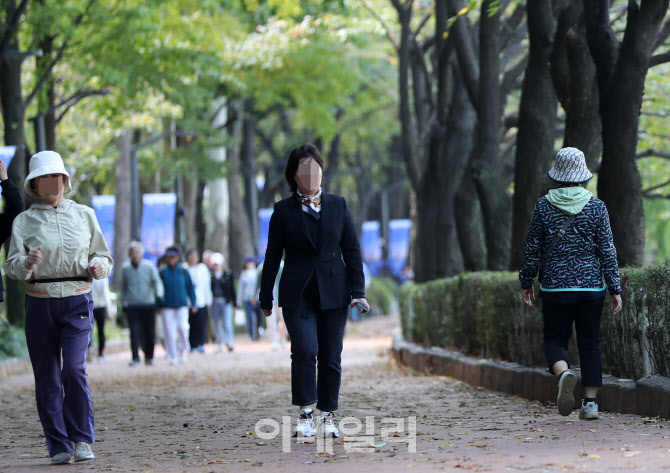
[(570, 246), (57, 248)]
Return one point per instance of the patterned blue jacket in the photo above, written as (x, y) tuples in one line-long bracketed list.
[(581, 258)]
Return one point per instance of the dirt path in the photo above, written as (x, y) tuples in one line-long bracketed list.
[(201, 417)]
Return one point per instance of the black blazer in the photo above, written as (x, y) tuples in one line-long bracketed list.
[(13, 207), (337, 259)]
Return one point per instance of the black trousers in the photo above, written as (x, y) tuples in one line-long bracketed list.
[(142, 324), (316, 339), (558, 320), (197, 322), (100, 314)]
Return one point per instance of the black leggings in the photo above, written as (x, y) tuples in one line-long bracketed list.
[(558, 320), (100, 314)]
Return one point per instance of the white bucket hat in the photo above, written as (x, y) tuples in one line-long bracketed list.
[(570, 167), (43, 164), (216, 258)]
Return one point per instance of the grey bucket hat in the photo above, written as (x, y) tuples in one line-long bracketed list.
[(570, 167)]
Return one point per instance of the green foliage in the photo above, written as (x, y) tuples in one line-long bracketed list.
[(12, 341), (482, 314), (380, 294)]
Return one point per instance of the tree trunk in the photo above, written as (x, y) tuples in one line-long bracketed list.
[(576, 85), (216, 237), (13, 115), (537, 125), (122, 212), (190, 193), (470, 226), (200, 224), (621, 76), (249, 170), (239, 227), (487, 162)]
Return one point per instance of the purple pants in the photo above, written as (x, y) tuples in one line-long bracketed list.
[(58, 327)]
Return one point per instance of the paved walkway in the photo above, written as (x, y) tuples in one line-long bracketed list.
[(202, 416)]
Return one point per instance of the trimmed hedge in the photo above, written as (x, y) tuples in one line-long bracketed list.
[(481, 314), (12, 342), (381, 294)]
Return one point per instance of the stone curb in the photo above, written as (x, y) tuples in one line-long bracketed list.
[(648, 396), (14, 366)]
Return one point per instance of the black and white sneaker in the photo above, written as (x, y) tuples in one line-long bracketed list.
[(326, 427), (306, 426), (566, 399)]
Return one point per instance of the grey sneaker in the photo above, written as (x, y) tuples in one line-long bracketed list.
[(326, 426), (589, 411), (83, 452), (62, 458), (566, 400), (306, 426)]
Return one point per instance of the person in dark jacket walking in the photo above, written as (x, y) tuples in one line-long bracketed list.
[(323, 274), (223, 302), (13, 206), (178, 291), (571, 286)]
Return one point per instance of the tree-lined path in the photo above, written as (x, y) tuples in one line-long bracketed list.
[(201, 417)]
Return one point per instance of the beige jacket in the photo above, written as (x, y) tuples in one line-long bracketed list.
[(70, 238)]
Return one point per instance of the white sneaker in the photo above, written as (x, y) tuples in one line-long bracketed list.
[(174, 361), (83, 452), (184, 358), (326, 426), (306, 426), (589, 411), (62, 458), (566, 400)]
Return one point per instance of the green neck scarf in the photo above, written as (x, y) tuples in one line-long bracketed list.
[(570, 200)]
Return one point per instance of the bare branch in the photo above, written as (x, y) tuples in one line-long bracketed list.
[(422, 24), (13, 24), (467, 58), (47, 73), (663, 34), (660, 58), (512, 75), (656, 187), (653, 153), (376, 16), (655, 196), (74, 99)]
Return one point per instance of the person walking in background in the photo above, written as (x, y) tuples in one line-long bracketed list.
[(223, 302), (247, 297), (570, 247), (323, 274), (57, 248), (174, 307), (13, 207), (207, 258), (202, 282), (140, 289), (102, 310)]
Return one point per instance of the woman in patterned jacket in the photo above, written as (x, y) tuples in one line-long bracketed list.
[(571, 287)]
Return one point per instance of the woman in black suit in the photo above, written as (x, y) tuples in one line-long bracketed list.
[(323, 275)]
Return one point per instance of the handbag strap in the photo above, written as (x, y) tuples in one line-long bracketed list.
[(561, 233)]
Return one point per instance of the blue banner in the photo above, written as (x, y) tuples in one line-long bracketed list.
[(7, 154), (157, 224), (371, 247), (104, 207), (399, 239), (263, 230)]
